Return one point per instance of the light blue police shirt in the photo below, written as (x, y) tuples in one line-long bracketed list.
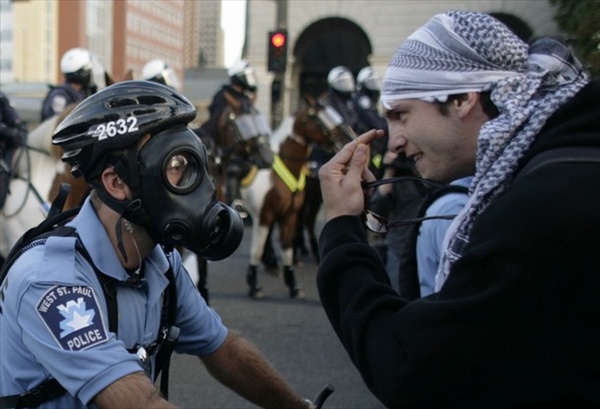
[(54, 320), (432, 233)]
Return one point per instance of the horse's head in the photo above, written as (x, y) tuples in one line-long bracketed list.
[(244, 131), (321, 124)]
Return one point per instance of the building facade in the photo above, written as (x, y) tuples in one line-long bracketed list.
[(210, 52), (123, 34)]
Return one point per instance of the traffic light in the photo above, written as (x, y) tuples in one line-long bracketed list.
[(277, 50)]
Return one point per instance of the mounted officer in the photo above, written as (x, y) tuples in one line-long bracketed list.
[(77, 66), (242, 86), (158, 70)]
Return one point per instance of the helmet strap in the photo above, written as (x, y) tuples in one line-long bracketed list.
[(131, 209)]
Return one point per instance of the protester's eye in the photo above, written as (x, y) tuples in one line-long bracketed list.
[(394, 115)]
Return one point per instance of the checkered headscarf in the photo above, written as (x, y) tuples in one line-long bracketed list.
[(459, 52)]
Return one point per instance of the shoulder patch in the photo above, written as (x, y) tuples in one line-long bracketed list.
[(73, 317), (59, 103)]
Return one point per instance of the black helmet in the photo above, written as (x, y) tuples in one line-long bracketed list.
[(115, 118)]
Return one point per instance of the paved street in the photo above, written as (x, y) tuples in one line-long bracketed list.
[(295, 335)]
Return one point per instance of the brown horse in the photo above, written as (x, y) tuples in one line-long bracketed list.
[(277, 194), (239, 141), (307, 216)]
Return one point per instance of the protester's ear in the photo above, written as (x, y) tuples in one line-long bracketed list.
[(466, 102)]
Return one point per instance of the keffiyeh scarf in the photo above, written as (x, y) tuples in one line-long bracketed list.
[(459, 52)]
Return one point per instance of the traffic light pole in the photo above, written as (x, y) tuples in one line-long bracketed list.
[(278, 84)]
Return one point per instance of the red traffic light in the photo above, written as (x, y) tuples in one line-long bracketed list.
[(277, 50), (278, 40)]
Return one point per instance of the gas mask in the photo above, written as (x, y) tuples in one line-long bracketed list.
[(175, 197)]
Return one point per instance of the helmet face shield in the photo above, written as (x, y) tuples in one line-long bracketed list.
[(341, 79), (367, 78), (243, 75)]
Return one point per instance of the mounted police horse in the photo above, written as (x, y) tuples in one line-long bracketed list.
[(275, 195), (237, 142), (38, 173)]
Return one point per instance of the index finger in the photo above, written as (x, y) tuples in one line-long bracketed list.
[(344, 155), (369, 136)]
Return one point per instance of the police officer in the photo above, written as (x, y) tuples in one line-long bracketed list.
[(77, 66), (242, 85), (150, 193), (158, 70), (366, 103), (340, 91), (12, 134)]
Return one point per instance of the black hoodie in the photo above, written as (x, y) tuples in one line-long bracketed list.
[(517, 323)]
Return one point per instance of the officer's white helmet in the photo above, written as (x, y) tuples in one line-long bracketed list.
[(242, 74), (367, 78), (340, 78), (76, 64), (159, 71)]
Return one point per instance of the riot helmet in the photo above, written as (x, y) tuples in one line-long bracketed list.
[(173, 197), (159, 71), (243, 75), (77, 66), (340, 79), (367, 83), (367, 79)]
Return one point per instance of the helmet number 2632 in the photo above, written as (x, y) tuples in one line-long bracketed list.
[(114, 128)]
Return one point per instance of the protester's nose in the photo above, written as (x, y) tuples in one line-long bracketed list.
[(396, 142)]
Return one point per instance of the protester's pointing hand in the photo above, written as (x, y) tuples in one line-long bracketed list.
[(341, 177)]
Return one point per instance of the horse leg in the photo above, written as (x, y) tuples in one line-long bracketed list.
[(299, 243), (259, 237), (287, 229), (314, 199), (269, 259)]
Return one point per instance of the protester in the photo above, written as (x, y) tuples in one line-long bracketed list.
[(77, 67), (515, 320), (150, 194), (395, 201)]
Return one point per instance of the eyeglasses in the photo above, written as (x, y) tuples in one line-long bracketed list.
[(381, 225)]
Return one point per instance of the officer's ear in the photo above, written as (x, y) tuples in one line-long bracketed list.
[(113, 184)]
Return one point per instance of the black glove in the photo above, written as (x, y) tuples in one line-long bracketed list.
[(12, 137)]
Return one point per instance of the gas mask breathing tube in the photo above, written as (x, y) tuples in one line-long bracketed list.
[(173, 198)]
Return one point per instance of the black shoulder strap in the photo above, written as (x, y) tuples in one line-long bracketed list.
[(572, 154), (53, 224), (163, 356), (408, 273)]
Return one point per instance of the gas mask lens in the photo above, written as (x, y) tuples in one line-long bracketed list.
[(181, 171)]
